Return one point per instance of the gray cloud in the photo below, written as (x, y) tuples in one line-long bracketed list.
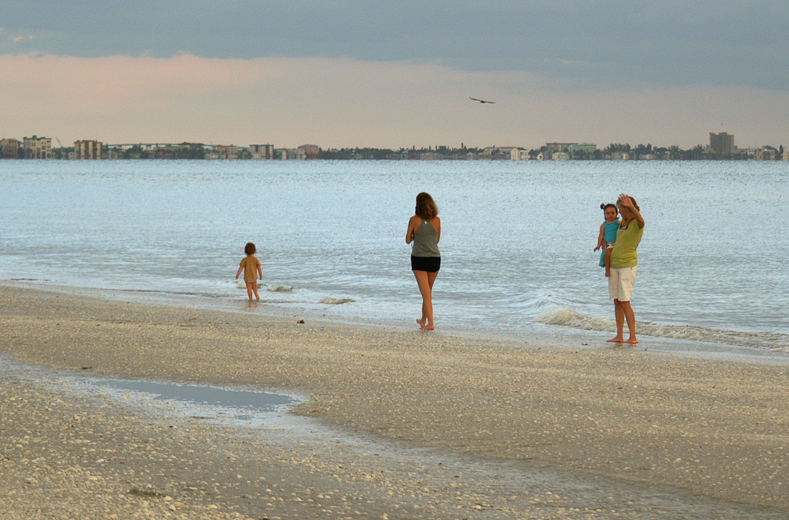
[(579, 43)]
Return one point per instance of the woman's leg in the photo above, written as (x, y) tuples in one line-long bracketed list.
[(627, 311), (624, 312), (613, 292), (425, 281), (619, 314), (431, 279)]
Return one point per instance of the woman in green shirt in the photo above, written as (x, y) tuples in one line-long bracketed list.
[(624, 263)]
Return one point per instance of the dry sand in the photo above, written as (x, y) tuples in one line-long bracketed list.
[(514, 430)]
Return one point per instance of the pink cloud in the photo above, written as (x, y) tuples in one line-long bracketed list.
[(341, 102)]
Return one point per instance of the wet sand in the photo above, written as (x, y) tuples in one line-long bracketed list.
[(609, 429)]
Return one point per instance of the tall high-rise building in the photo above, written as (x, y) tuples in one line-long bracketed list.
[(262, 151), (87, 149), (722, 143)]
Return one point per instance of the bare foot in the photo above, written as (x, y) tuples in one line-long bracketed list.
[(429, 327), (617, 339), (421, 322), (632, 341)]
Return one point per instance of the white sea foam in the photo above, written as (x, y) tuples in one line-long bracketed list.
[(336, 301), (763, 340), (279, 288), (241, 284)]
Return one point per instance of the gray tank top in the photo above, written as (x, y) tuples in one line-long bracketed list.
[(425, 244)]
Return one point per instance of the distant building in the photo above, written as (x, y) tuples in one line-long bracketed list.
[(311, 151), (87, 149), (496, 153), (227, 151), (745, 153), (178, 151), (37, 147), (192, 150), (560, 156), (722, 143), (262, 151), (551, 148), (290, 154), (519, 154), (9, 149), (765, 154), (583, 149), (785, 156), (430, 156)]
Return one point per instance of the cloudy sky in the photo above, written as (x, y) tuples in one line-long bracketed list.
[(396, 73)]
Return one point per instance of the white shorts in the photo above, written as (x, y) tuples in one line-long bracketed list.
[(621, 282)]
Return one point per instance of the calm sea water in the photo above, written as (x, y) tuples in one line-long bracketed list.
[(517, 239)]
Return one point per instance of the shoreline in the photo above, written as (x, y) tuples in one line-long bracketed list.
[(556, 334), (713, 429)]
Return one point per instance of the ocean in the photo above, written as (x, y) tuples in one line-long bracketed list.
[(517, 240)]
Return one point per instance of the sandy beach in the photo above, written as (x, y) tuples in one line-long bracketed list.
[(449, 426)]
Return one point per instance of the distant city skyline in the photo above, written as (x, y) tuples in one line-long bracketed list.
[(397, 75), (721, 147), (720, 142)]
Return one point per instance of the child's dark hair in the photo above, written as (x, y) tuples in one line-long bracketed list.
[(249, 249), (605, 206)]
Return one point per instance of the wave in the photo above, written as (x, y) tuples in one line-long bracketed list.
[(241, 284), (279, 288), (336, 301), (763, 340)]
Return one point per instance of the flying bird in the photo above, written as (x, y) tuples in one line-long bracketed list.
[(482, 100)]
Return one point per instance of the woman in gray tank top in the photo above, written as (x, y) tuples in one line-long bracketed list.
[(424, 232)]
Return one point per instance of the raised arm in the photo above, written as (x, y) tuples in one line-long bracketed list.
[(626, 202)]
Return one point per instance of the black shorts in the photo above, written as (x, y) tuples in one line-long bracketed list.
[(431, 264)]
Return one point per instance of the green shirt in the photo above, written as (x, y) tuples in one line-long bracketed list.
[(624, 253)]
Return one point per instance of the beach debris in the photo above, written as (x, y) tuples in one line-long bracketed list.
[(300, 321), (145, 492)]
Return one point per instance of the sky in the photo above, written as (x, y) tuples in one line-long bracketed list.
[(392, 74)]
